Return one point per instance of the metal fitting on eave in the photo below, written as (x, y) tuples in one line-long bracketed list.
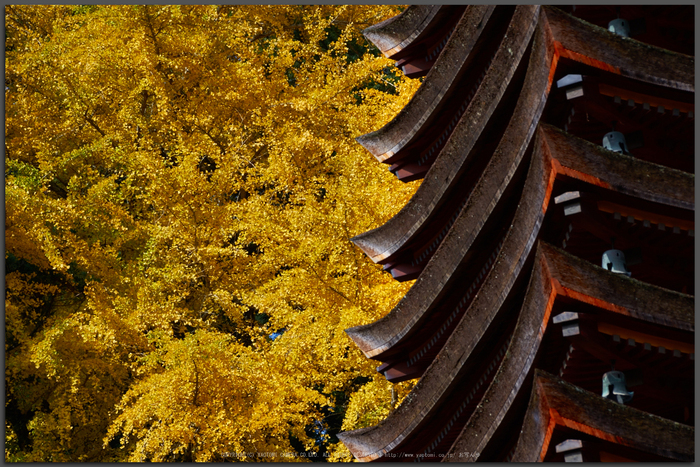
[(615, 387), (616, 142), (614, 261), (619, 26)]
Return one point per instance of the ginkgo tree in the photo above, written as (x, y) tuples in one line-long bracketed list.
[(181, 186)]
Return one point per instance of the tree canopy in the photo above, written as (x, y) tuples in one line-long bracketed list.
[(181, 186)]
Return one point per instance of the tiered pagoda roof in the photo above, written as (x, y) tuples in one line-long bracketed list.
[(505, 235)]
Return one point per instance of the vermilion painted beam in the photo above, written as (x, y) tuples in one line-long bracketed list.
[(653, 101), (558, 276), (555, 404), (574, 40)]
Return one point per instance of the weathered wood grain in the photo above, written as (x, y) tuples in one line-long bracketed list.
[(381, 242), (556, 403), (414, 117), (556, 155), (378, 337), (398, 33), (558, 275), (624, 174), (373, 442), (582, 41)]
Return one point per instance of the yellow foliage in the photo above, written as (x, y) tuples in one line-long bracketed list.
[(373, 402), (182, 183)]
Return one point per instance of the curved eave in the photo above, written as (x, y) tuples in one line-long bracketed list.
[(583, 281), (388, 140), (576, 40), (555, 403), (403, 423), (593, 45), (568, 37), (571, 157), (385, 240), (397, 33), (592, 163), (377, 337), (650, 21), (557, 275), (568, 276)]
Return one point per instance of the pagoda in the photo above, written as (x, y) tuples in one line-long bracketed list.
[(551, 239)]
